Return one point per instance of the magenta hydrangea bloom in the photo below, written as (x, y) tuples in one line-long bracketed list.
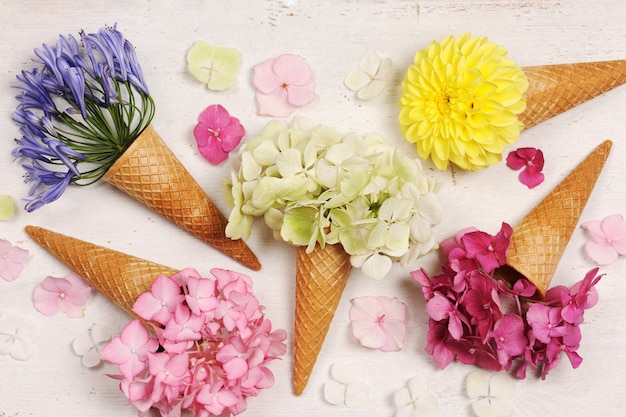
[(531, 161), (217, 133), (283, 84), (477, 318)]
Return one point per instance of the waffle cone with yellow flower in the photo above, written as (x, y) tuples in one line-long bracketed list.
[(321, 277), (151, 173), (120, 277), (464, 100), (538, 242)]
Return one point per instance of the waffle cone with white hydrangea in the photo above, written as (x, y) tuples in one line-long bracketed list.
[(318, 188)]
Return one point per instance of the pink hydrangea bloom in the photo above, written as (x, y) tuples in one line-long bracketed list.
[(213, 343), (12, 260), (379, 322), (69, 295), (217, 133), (282, 85), (608, 239), (532, 161)]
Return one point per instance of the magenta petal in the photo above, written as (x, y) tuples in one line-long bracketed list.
[(213, 151), (514, 161), (264, 78), (231, 135), (215, 116), (292, 70), (530, 177)]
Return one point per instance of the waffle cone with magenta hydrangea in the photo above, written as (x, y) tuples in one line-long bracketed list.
[(85, 113)]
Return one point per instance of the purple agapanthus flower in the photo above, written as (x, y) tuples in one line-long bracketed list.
[(82, 106)]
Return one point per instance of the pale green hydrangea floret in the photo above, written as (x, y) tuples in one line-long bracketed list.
[(314, 185)]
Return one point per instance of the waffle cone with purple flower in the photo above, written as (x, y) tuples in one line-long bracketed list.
[(150, 172), (120, 277)]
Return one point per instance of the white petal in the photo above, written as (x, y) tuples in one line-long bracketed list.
[(22, 349), (101, 333), (477, 383), (402, 397), (6, 344), (483, 408), (370, 63), (341, 372), (502, 386), (82, 345), (357, 395), (427, 405), (418, 386), (91, 359), (376, 266), (357, 79), (407, 411), (334, 392), (372, 90)]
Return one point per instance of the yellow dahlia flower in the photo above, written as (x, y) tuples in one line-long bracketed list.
[(460, 101)]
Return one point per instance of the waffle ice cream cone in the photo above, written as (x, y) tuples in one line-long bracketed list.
[(539, 241), (321, 277), (554, 89), (151, 173), (120, 277)]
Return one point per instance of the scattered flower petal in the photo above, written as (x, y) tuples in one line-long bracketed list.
[(90, 346), (379, 322), (69, 295), (12, 260), (347, 385), (18, 334), (608, 239), (216, 66), (371, 77), (217, 133), (415, 400), (531, 161), (491, 393), (282, 85), (7, 207)]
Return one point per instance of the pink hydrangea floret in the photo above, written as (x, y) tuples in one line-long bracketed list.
[(209, 347)]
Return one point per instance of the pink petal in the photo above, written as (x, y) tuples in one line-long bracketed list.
[(301, 95), (594, 227), (368, 333), (614, 227), (601, 253), (274, 104), (213, 151), (292, 70), (514, 161), (18, 255), (46, 302), (235, 368), (264, 78), (395, 331), (438, 307), (231, 135), (10, 270)]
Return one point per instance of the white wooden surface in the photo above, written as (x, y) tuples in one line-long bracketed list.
[(332, 35)]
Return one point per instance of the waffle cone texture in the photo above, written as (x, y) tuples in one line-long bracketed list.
[(120, 277), (553, 89), (538, 242), (321, 277), (151, 173)]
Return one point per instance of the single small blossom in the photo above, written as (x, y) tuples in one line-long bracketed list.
[(215, 66), (348, 385), (531, 161), (18, 335), (491, 393), (283, 84), (69, 295), (379, 322), (160, 302), (89, 346), (608, 239), (12, 260), (415, 400), (371, 77), (217, 133), (7, 207), (130, 349)]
